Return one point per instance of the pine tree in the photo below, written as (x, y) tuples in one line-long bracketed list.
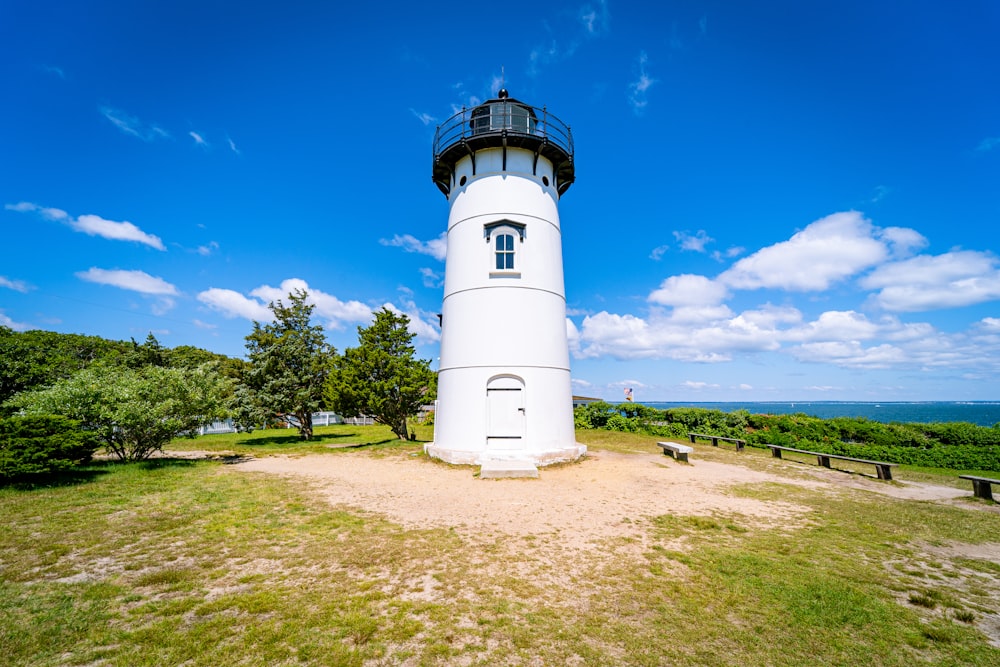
[(380, 378)]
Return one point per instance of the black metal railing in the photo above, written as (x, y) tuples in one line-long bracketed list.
[(499, 117)]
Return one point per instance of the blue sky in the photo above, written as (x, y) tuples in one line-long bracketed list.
[(774, 200)]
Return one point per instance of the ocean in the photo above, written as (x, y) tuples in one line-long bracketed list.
[(983, 413)]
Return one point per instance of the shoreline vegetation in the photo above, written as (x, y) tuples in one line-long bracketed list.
[(954, 445)]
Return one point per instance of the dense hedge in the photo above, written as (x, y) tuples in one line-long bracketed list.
[(42, 444), (954, 445)]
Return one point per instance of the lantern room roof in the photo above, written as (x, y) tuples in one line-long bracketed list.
[(503, 122)]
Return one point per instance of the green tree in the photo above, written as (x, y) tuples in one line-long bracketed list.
[(133, 412), (42, 444), (36, 359), (380, 378), (289, 360), (150, 353)]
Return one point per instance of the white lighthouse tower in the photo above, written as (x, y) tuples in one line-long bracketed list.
[(504, 395)]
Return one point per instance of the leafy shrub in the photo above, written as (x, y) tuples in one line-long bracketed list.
[(593, 415), (42, 444), (617, 422), (133, 412)]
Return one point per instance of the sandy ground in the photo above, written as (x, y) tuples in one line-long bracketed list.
[(605, 495)]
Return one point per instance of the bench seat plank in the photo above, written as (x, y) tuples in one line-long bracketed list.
[(740, 444), (981, 486), (882, 468), (678, 451)]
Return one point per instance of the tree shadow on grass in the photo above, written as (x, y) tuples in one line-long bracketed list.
[(374, 443), (161, 463), (89, 472), (54, 480), (294, 439)]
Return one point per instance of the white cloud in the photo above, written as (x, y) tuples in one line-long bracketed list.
[(988, 144), (436, 248), (204, 325), (903, 241), (827, 251), (136, 281), (689, 290), (92, 225), (950, 280), (11, 324), (694, 243), (734, 251), (658, 252), (198, 139), (698, 386), (591, 20), (431, 278), (880, 193), (162, 306), (335, 312), (641, 85), (425, 331), (232, 146), (850, 354), (836, 325), (424, 118), (689, 319), (990, 324), (133, 126), (595, 18), (208, 248), (573, 337), (52, 69), (16, 285), (233, 304)]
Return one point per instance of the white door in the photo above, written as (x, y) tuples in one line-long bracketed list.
[(505, 413)]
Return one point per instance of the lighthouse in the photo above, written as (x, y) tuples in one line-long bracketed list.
[(504, 395)]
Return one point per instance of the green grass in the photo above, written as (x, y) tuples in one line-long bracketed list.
[(287, 441), (194, 562)]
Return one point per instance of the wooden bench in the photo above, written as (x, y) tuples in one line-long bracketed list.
[(981, 486), (679, 452), (740, 444), (883, 469)]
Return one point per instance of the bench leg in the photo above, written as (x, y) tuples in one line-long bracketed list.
[(739, 446), (982, 489), (884, 472), (692, 438), (715, 442), (823, 460), (682, 456), (776, 453)]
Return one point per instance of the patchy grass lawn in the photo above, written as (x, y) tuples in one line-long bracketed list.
[(191, 562)]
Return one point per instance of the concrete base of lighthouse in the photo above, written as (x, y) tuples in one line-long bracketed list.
[(538, 458), (520, 417), (507, 469)]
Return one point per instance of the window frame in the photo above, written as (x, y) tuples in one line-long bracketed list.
[(504, 229)]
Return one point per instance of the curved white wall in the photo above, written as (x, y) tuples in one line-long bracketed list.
[(504, 380)]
